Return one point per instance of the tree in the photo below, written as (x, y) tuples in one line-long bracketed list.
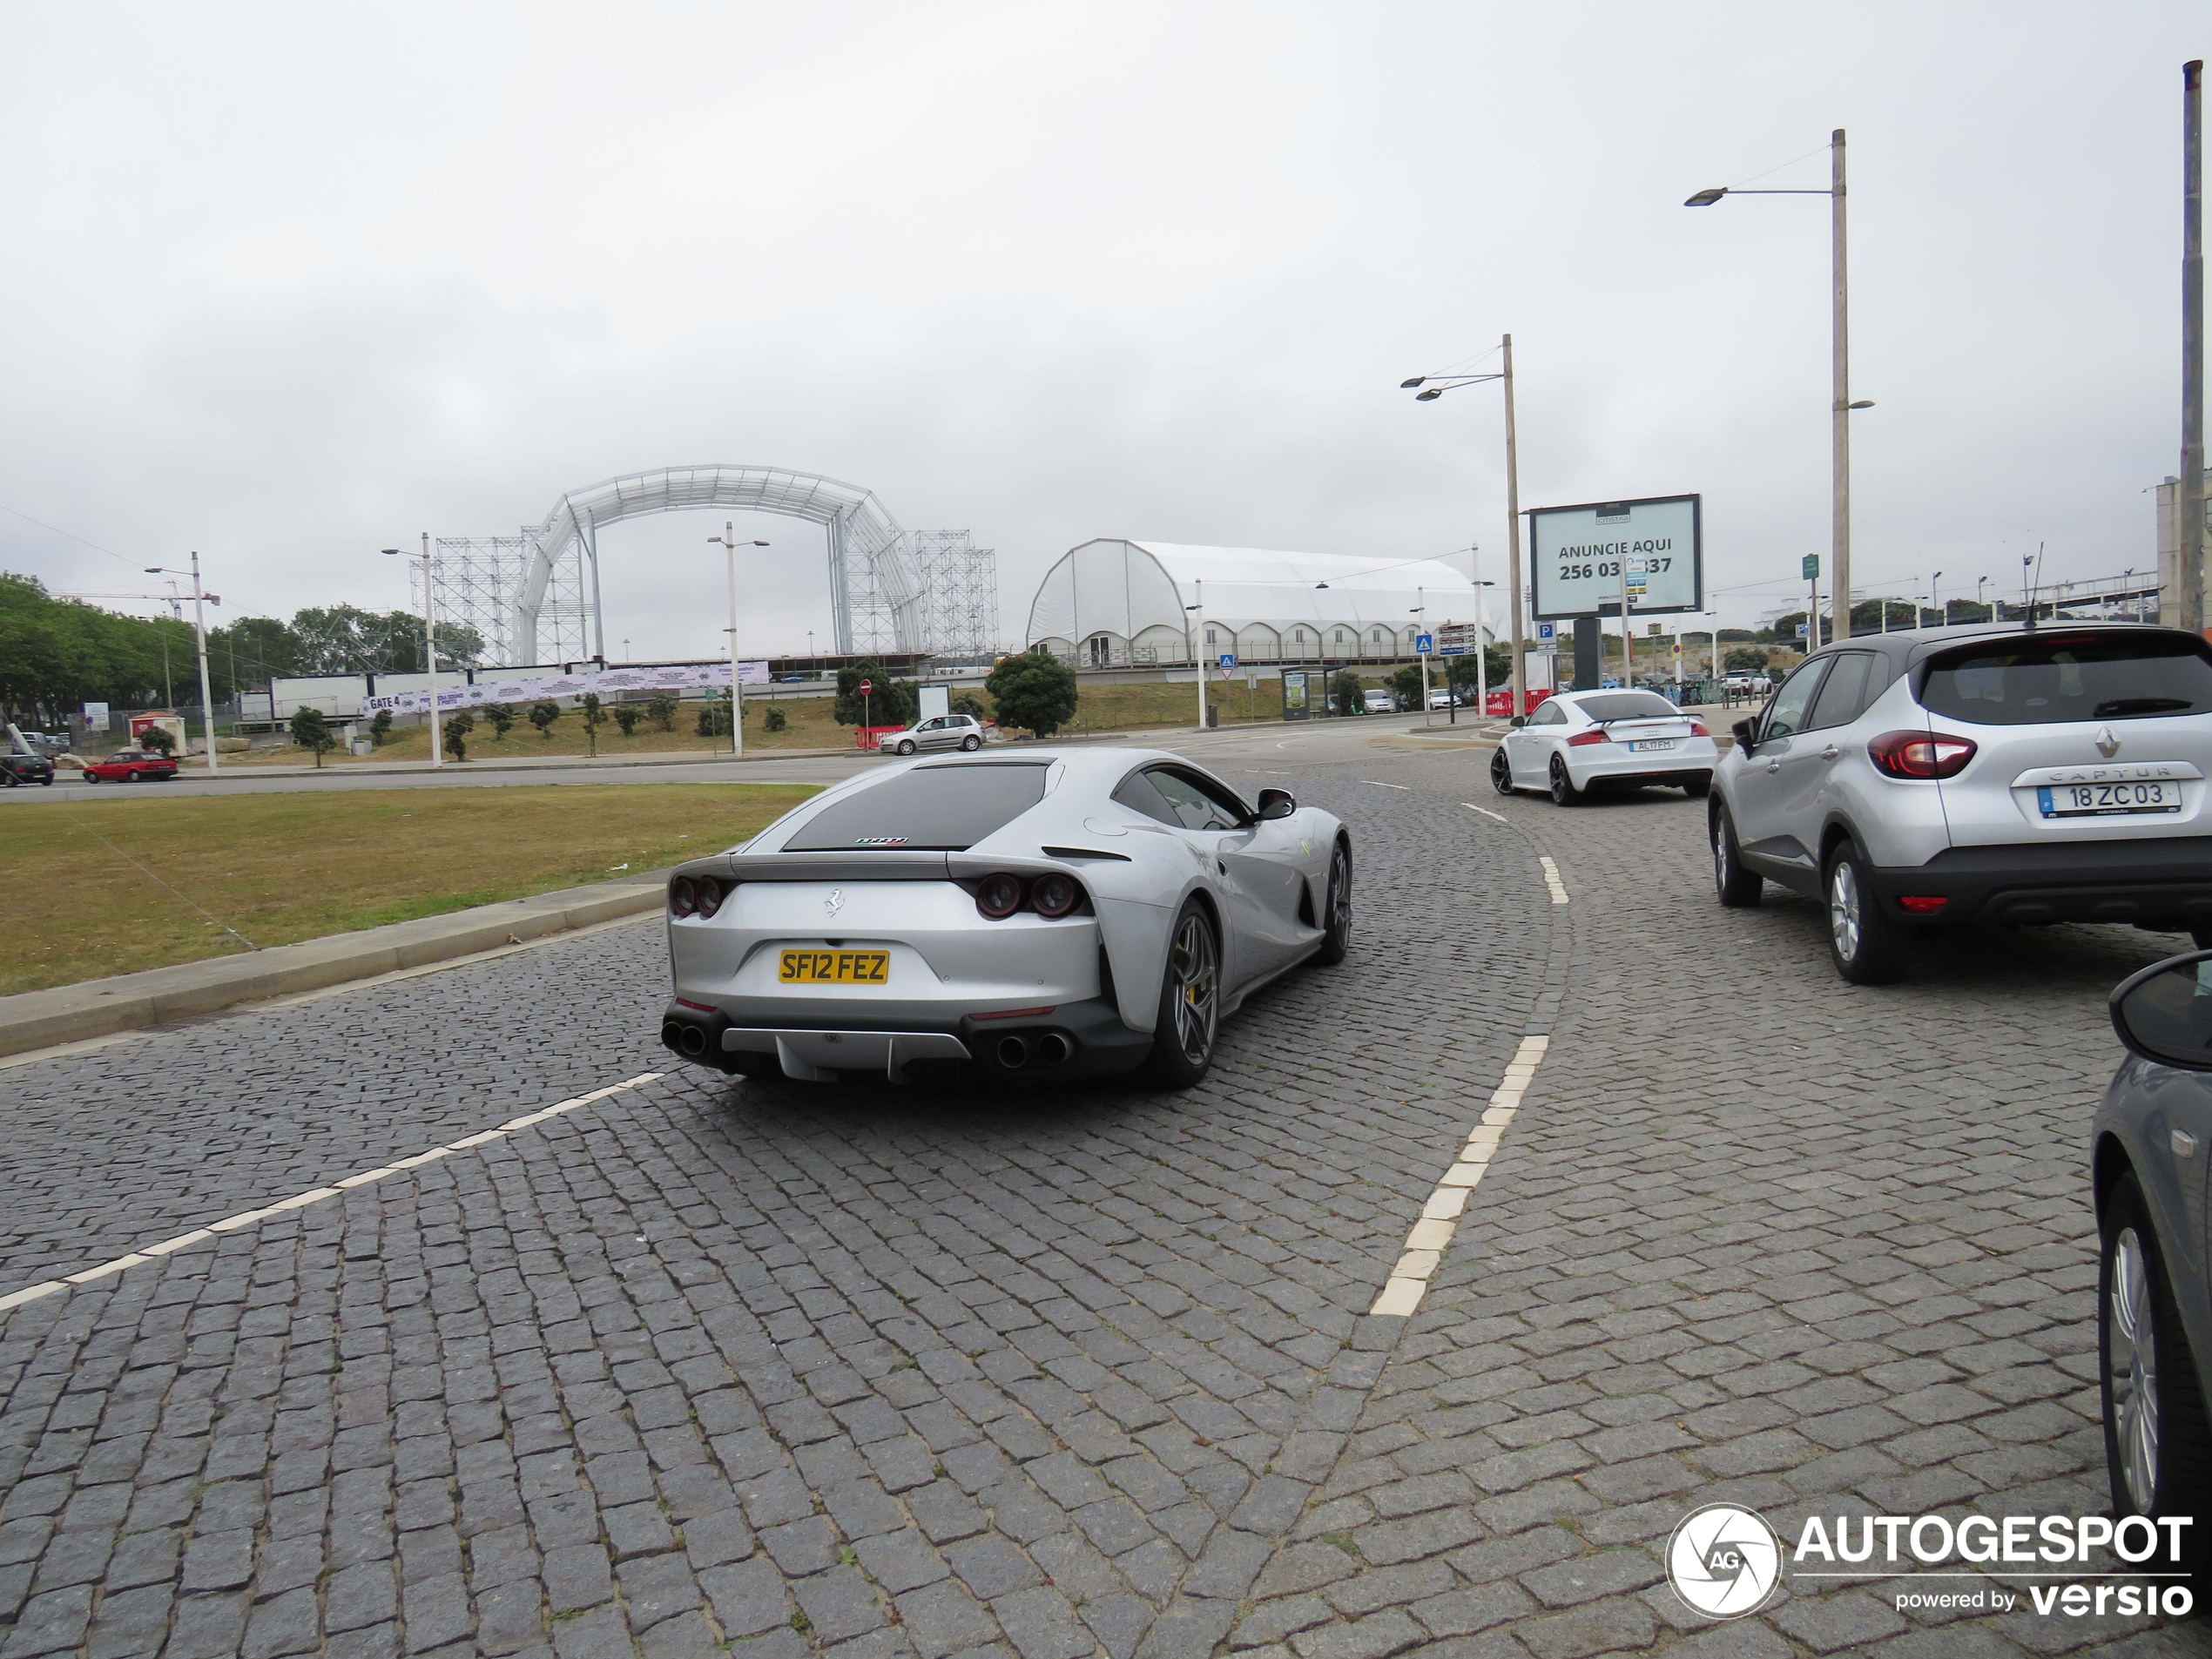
[(542, 716), (500, 717), (627, 718), (1744, 659), (158, 738), (1346, 688), (457, 728), (311, 731), (968, 702), (1406, 682), (889, 703), (380, 727), (593, 719), (1034, 690), (662, 708)]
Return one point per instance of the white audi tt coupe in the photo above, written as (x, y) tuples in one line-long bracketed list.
[(1044, 915)]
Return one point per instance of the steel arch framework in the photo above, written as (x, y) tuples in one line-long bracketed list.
[(875, 598)]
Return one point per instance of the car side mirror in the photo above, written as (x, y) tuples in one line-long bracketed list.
[(1277, 803), (2164, 1014), (1746, 734), (1518, 721)]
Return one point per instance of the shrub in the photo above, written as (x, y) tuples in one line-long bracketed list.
[(502, 715), (714, 717), (968, 702), (1351, 697), (593, 719), (1744, 659), (542, 715), (309, 731), (457, 729), (627, 718), (889, 703), (662, 709), (161, 740), (1406, 682), (773, 719), (1034, 690), (380, 727)]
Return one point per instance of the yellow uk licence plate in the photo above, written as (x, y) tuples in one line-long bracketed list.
[(835, 967)]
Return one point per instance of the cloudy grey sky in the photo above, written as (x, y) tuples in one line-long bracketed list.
[(291, 284)]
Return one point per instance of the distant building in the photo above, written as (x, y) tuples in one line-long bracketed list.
[(1114, 603)]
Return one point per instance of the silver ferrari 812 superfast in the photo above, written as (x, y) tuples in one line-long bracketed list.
[(1042, 915)]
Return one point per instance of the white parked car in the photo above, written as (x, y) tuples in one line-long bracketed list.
[(1059, 914), (1439, 698), (1578, 741), (939, 732), (1977, 774)]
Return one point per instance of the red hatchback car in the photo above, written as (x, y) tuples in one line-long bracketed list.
[(130, 767)]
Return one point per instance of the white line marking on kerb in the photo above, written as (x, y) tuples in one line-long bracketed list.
[(1378, 784), (1425, 1246), (1551, 880), (1485, 811), (314, 1194)]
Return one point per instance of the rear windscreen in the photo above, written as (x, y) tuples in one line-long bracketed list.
[(2082, 677), (1628, 705), (932, 808)]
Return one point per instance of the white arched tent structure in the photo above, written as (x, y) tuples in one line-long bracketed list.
[(1112, 602), (874, 588)]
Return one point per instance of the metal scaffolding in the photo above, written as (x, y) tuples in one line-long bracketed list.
[(960, 593), (480, 579)]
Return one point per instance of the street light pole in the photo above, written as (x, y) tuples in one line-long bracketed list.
[(1839, 420), (1194, 631), (728, 539), (1453, 382), (1840, 404), (2189, 493), (199, 644), (430, 654)]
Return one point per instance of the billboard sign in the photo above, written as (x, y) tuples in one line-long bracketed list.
[(1579, 557), (1295, 704)]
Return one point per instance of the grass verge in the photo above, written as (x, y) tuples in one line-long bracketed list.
[(113, 887)]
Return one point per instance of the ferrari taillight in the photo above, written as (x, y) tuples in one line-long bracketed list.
[(706, 896), (999, 896), (681, 899)]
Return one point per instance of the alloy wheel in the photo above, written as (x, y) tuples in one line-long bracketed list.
[(1501, 772), (1843, 923), (1196, 980), (2132, 1363), (1720, 854)]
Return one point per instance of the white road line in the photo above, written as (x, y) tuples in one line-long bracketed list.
[(1551, 879), (1378, 784), (1485, 811), (315, 1195), (1425, 1246)]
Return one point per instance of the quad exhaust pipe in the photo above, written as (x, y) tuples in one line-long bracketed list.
[(1049, 1049)]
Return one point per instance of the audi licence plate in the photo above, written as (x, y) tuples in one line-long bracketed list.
[(2098, 800), (1650, 743), (835, 967)]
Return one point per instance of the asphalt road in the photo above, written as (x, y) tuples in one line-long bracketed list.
[(1328, 739), (695, 1366)]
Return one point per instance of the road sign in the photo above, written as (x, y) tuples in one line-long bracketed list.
[(1424, 643), (1810, 569), (1547, 631), (1228, 661), (1581, 555), (867, 688)]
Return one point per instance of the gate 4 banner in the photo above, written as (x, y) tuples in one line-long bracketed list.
[(679, 677)]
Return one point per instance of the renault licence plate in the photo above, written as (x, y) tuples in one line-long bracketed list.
[(835, 967), (2098, 800)]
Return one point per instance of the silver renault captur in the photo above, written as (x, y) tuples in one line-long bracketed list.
[(2010, 774)]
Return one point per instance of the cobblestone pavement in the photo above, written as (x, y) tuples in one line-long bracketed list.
[(776, 1371)]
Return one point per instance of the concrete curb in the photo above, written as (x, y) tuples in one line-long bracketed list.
[(101, 1006)]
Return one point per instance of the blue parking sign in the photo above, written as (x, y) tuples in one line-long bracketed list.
[(1547, 631)]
